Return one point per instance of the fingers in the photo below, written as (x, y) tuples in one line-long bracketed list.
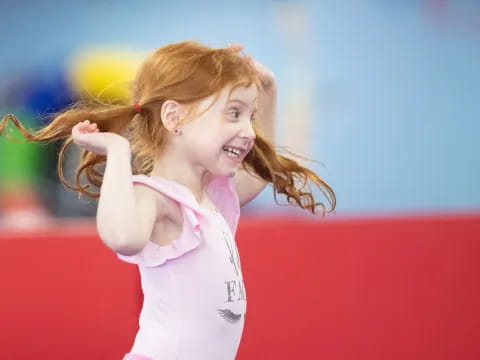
[(85, 127), (93, 127), (235, 47), (238, 48)]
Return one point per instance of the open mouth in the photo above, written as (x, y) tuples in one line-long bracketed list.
[(233, 152)]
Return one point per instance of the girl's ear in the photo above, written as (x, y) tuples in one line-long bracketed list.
[(170, 114)]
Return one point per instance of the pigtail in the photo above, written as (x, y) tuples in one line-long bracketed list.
[(185, 72), (287, 177), (109, 118)]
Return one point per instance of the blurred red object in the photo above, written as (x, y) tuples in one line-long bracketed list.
[(404, 288)]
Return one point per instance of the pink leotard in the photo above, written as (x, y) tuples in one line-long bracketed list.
[(194, 296)]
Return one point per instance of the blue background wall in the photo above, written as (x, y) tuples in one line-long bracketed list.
[(395, 84)]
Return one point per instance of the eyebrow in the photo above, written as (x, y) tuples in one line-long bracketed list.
[(243, 103)]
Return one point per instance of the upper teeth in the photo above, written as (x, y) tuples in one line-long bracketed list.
[(234, 151)]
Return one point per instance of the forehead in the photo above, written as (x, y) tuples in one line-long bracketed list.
[(245, 94)]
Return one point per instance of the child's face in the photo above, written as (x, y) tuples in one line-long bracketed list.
[(220, 138)]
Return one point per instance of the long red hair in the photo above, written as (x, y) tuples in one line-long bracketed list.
[(186, 72)]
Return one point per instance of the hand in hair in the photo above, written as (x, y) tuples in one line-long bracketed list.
[(88, 136), (265, 74)]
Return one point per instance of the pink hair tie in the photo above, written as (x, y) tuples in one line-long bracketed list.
[(137, 107)]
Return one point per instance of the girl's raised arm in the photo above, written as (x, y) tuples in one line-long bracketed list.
[(126, 214)]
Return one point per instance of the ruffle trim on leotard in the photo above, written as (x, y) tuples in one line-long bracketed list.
[(154, 255), (190, 238), (222, 193)]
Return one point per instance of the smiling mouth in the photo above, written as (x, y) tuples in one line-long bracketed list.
[(233, 152)]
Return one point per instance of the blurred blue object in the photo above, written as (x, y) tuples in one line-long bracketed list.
[(47, 94)]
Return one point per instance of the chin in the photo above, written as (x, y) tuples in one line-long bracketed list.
[(226, 172), (225, 168)]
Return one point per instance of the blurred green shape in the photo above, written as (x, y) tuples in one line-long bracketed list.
[(20, 161)]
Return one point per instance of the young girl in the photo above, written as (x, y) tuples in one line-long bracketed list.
[(198, 138)]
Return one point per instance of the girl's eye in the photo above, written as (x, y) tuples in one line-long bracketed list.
[(235, 113)]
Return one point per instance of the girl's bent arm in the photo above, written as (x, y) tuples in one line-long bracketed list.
[(125, 217)]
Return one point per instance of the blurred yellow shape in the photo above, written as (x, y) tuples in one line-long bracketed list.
[(104, 73)]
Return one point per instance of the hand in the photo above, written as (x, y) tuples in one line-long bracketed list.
[(88, 136), (266, 75)]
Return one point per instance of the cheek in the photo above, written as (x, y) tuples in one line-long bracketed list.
[(205, 138), (203, 147)]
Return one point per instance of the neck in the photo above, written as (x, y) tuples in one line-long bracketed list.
[(172, 166)]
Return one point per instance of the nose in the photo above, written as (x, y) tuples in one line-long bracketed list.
[(248, 131)]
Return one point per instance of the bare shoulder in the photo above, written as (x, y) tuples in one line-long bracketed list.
[(162, 215), (153, 200)]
